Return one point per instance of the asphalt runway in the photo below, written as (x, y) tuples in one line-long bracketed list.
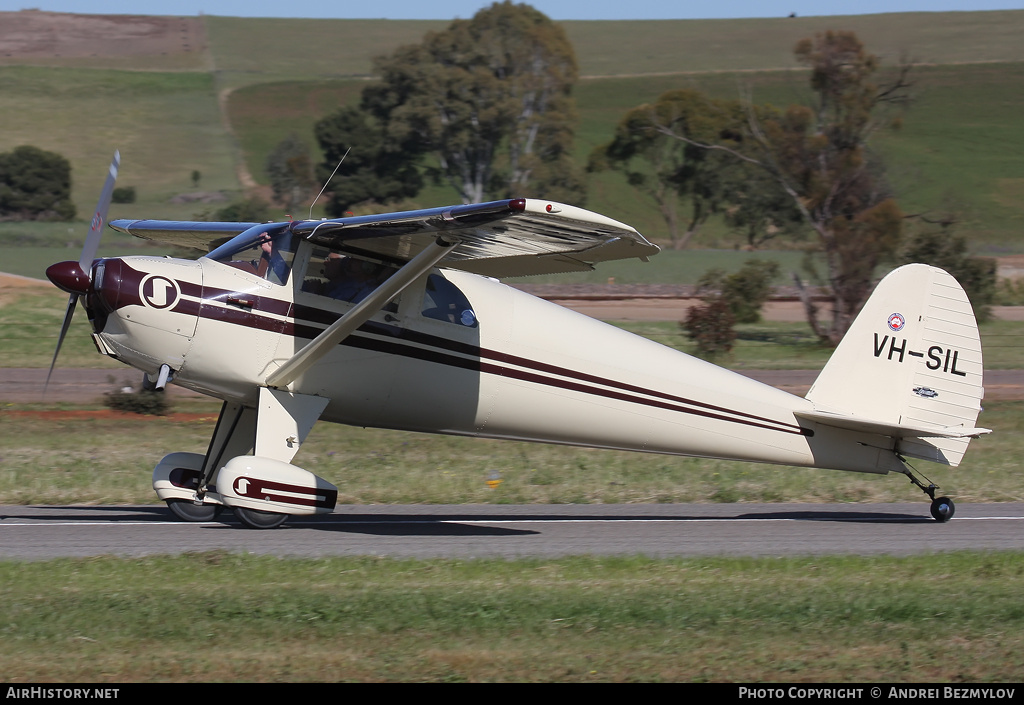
[(543, 531)]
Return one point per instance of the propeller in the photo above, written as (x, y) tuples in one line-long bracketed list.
[(74, 277)]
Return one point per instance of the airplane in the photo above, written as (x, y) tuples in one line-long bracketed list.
[(401, 321)]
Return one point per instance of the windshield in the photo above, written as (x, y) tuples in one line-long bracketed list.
[(265, 255)]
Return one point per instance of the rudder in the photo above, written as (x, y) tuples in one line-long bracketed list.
[(911, 361)]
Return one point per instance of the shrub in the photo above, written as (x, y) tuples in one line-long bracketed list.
[(35, 185), (743, 292), (977, 275), (254, 210), (123, 194), (143, 401), (1009, 292), (710, 326)]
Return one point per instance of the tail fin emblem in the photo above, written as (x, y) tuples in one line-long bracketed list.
[(896, 322)]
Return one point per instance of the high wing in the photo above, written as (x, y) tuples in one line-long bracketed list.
[(508, 238), (194, 235)]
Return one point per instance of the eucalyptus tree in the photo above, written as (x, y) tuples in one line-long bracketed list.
[(819, 154), (484, 105)]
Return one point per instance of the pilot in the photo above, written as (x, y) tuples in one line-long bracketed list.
[(271, 264)]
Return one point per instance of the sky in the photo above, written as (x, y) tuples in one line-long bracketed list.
[(555, 9)]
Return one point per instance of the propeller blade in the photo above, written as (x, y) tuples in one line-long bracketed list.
[(92, 240), (80, 280), (72, 302)]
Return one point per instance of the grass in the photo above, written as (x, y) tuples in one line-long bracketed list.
[(48, 460), (246, 50), (260, 50), (165, 125), (30, 325), (658, 46), (262, 115), (261, 619)]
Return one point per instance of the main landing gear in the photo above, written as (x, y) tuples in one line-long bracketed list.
[(257, 519), (247, 467), (187, 510), (942, 508)]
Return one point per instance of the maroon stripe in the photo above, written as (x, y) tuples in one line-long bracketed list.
[(258, 488), (529, 377), (593, 379), (400, 337)]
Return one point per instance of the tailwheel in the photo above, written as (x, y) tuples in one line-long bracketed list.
[(256, 519), (187, 510), (943, 509)]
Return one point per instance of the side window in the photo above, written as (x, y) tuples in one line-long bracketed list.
[(443, 301), (344, 278)]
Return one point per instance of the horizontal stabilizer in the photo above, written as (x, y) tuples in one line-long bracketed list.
[(896, 430)]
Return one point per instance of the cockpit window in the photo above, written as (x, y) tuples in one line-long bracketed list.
[(267, 257), (443, 301), (344, 278)]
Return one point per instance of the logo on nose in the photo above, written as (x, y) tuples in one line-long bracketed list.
[(158, 291)]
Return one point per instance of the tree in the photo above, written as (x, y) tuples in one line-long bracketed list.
[(671, 171), (667, 169), (819, 155), (35, 185), (372, 164), (488, 98), (756, 206), (940, 247), (290, 169)]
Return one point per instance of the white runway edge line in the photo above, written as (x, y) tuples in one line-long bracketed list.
[(297, 522)]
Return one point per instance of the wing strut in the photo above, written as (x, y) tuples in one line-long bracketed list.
[(360, 314)]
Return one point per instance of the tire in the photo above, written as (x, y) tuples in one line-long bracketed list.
[(189, 511), (943, 509), (256, 519)]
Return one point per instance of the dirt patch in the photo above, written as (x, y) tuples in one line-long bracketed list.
[(1010, 267), (200, 197), (12, 285), (31, 34), (101, 414)]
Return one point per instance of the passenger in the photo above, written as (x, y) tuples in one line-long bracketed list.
[(351, 279)]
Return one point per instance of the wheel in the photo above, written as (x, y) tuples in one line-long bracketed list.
[(189, 511), (943, 509), (256, 519)]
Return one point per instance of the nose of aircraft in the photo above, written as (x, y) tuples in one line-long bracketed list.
[(69, 277)]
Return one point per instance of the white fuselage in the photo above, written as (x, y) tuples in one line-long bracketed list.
[(499, 364)]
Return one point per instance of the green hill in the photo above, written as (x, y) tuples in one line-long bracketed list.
[(214, 94)]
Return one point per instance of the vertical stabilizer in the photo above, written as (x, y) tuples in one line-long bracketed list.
[(911, 359)]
